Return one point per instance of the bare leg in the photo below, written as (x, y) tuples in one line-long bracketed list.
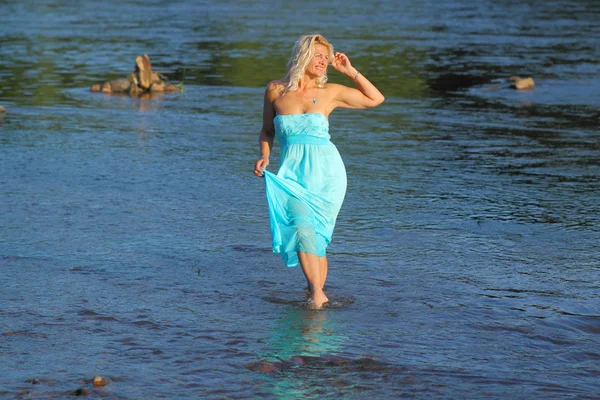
[(323, 268), (311, 267), (323, 264)]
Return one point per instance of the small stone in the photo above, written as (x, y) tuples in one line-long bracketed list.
[(524, 84), (95, 88), (120, 85), (99, 381), (106, 88), (2, 110)]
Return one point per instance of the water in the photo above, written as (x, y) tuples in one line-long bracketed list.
[(135, 240)]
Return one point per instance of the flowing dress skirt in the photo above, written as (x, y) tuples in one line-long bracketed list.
[(305, 198)]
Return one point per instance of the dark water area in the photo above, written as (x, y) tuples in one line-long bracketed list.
[(134, 238)]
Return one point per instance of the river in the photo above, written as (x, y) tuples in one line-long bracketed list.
[(135, 242)]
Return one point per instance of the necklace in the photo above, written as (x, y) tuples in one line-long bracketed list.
[(314, 99)]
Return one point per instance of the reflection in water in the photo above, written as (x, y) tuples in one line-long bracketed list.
[(305, 344), (301, 332), (301, 340)]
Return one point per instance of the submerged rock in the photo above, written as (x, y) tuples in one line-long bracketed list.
[(266, 366), (321, 362), (80, 392)]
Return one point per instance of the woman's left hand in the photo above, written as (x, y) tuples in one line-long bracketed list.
[(341, 63)]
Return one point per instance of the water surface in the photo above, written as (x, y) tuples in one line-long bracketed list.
[(134, 239)]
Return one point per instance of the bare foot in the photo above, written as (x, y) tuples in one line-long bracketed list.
[(317, 300)]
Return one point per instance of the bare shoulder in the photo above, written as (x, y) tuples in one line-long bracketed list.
[(274, 89)]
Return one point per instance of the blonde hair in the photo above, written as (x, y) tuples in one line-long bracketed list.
[(302, 52)]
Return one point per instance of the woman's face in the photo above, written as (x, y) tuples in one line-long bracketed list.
[(318, 63)]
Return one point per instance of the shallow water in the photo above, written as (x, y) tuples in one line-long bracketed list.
[(135, 240)]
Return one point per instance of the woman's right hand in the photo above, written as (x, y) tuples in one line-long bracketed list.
[(260, 165)]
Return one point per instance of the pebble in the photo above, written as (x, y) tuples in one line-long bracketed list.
[(521, 83), (99, 381)]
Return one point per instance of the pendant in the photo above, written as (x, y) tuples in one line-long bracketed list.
[(315, 100)]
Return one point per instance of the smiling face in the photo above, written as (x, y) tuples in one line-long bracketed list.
[(310, 56), (318, 63)]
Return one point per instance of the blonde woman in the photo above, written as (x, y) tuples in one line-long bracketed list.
[(306, 195)]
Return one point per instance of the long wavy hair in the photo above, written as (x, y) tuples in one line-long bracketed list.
[(302, 52)]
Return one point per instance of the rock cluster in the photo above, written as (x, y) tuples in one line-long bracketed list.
[(143, 80)]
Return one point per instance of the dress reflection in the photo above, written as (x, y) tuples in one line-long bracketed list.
[(302, 332), (300, 337)]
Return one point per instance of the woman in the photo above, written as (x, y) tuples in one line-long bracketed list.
[(307, 193)]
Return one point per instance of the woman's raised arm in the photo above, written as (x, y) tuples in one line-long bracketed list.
[(366, 96)]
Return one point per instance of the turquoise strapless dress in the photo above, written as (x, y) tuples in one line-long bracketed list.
[(306, 195)]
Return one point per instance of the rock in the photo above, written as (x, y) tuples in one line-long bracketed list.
[(80, 392), (299, 360), (516, 82), (134, 89), (133, 79), (524, 84), (2, 110), (264, 366), (144, 71), (120, 85), (141, 82), (157, 87), (172, 88), (106, 88), (99, 381)]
